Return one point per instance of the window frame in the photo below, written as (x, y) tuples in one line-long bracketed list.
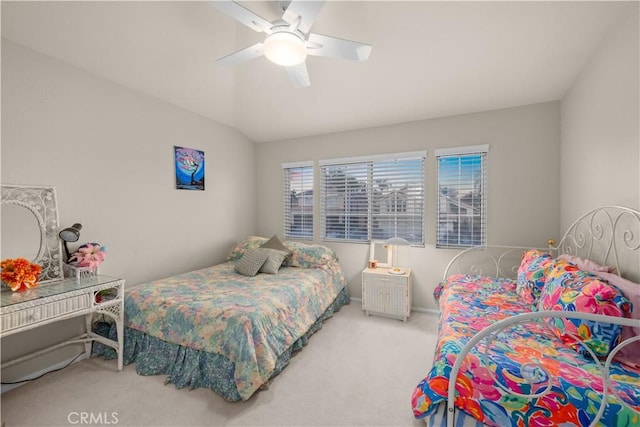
[(288, 221), (459, 152), (369, 163)]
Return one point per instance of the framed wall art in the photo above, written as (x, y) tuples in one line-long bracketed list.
[(189, 168)]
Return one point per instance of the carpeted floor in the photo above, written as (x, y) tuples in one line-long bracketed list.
[(356, 371)]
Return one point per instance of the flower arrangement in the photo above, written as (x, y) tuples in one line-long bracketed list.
[(89, 255), (20, 273)]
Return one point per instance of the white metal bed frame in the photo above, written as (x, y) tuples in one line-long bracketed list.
[(608, 235)]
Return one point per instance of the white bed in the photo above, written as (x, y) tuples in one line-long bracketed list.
[(608, 236)]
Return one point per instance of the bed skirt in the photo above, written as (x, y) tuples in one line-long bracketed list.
[(186, 367)]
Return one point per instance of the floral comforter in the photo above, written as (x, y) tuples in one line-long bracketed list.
[(249, 320), (471, 303)]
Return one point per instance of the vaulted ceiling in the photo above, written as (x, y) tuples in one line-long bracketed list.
[(429, 59)]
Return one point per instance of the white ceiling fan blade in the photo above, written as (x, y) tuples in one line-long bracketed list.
[(307, 11), (244, 15), (299, 75), (243, 55), (319, 45)]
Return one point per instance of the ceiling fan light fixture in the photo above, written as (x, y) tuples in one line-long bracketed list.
[(285, 48)]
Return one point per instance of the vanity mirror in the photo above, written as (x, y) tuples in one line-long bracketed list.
[(381, 253), (30, 228)]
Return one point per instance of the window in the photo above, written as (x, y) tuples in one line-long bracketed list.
[(374, 197), (298, 199), (462, 201)]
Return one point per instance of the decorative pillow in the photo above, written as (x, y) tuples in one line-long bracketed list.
[(305, 255), (250, 242), (586, 264), (532, 274), (571, 289), (251, 261), (275, 243), (629, 354), (275, 258)]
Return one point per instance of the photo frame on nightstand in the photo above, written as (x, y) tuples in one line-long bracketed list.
[(380, 253)]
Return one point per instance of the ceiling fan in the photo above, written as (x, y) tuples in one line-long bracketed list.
[(289, 40)]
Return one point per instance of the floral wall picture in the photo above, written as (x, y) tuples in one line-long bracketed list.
[(189, 168)]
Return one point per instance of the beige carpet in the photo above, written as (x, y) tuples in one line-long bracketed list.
[(356, 371)]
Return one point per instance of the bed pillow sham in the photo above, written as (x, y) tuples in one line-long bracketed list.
[(251, 242), (629, 354), (586, 264), (274, 260), (532, 273), (251, 262), (306, 255), (299, 254), (571, 289)]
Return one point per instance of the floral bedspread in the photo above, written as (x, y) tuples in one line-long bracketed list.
[(471, 303), (249, 320)]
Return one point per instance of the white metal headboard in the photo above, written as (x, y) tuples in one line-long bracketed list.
[(608, 235), (491, 260)]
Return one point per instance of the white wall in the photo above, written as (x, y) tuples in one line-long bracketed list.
[(109, 152), (600, 115), (523, 181)]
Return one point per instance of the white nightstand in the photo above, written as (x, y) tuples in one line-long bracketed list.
[(386, 294)]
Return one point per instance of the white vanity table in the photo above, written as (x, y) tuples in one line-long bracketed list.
[(30, 230), (64, 299)]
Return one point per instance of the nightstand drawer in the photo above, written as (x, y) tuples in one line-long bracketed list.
[(382, 279)]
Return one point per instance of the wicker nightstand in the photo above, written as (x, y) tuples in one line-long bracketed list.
[(386, 294)]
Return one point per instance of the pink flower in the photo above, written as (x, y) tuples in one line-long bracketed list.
[(479, 379), (89, 255)]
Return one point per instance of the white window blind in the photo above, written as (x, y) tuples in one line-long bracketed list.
[(462, 201), (298, 199), (375, 198)]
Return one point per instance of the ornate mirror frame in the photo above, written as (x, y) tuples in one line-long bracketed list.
[(381, 253), (41, 201)]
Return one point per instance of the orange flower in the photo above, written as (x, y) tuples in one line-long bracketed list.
[(20, 273)]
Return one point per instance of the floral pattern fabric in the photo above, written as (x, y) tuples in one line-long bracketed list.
[(469, 304), (571, 289), (306, 255), (532, 275), (251, 242), (248, 320), (186, 367)]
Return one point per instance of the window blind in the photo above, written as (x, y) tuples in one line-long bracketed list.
[(298, 199), (375, 198), (462, 189)]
